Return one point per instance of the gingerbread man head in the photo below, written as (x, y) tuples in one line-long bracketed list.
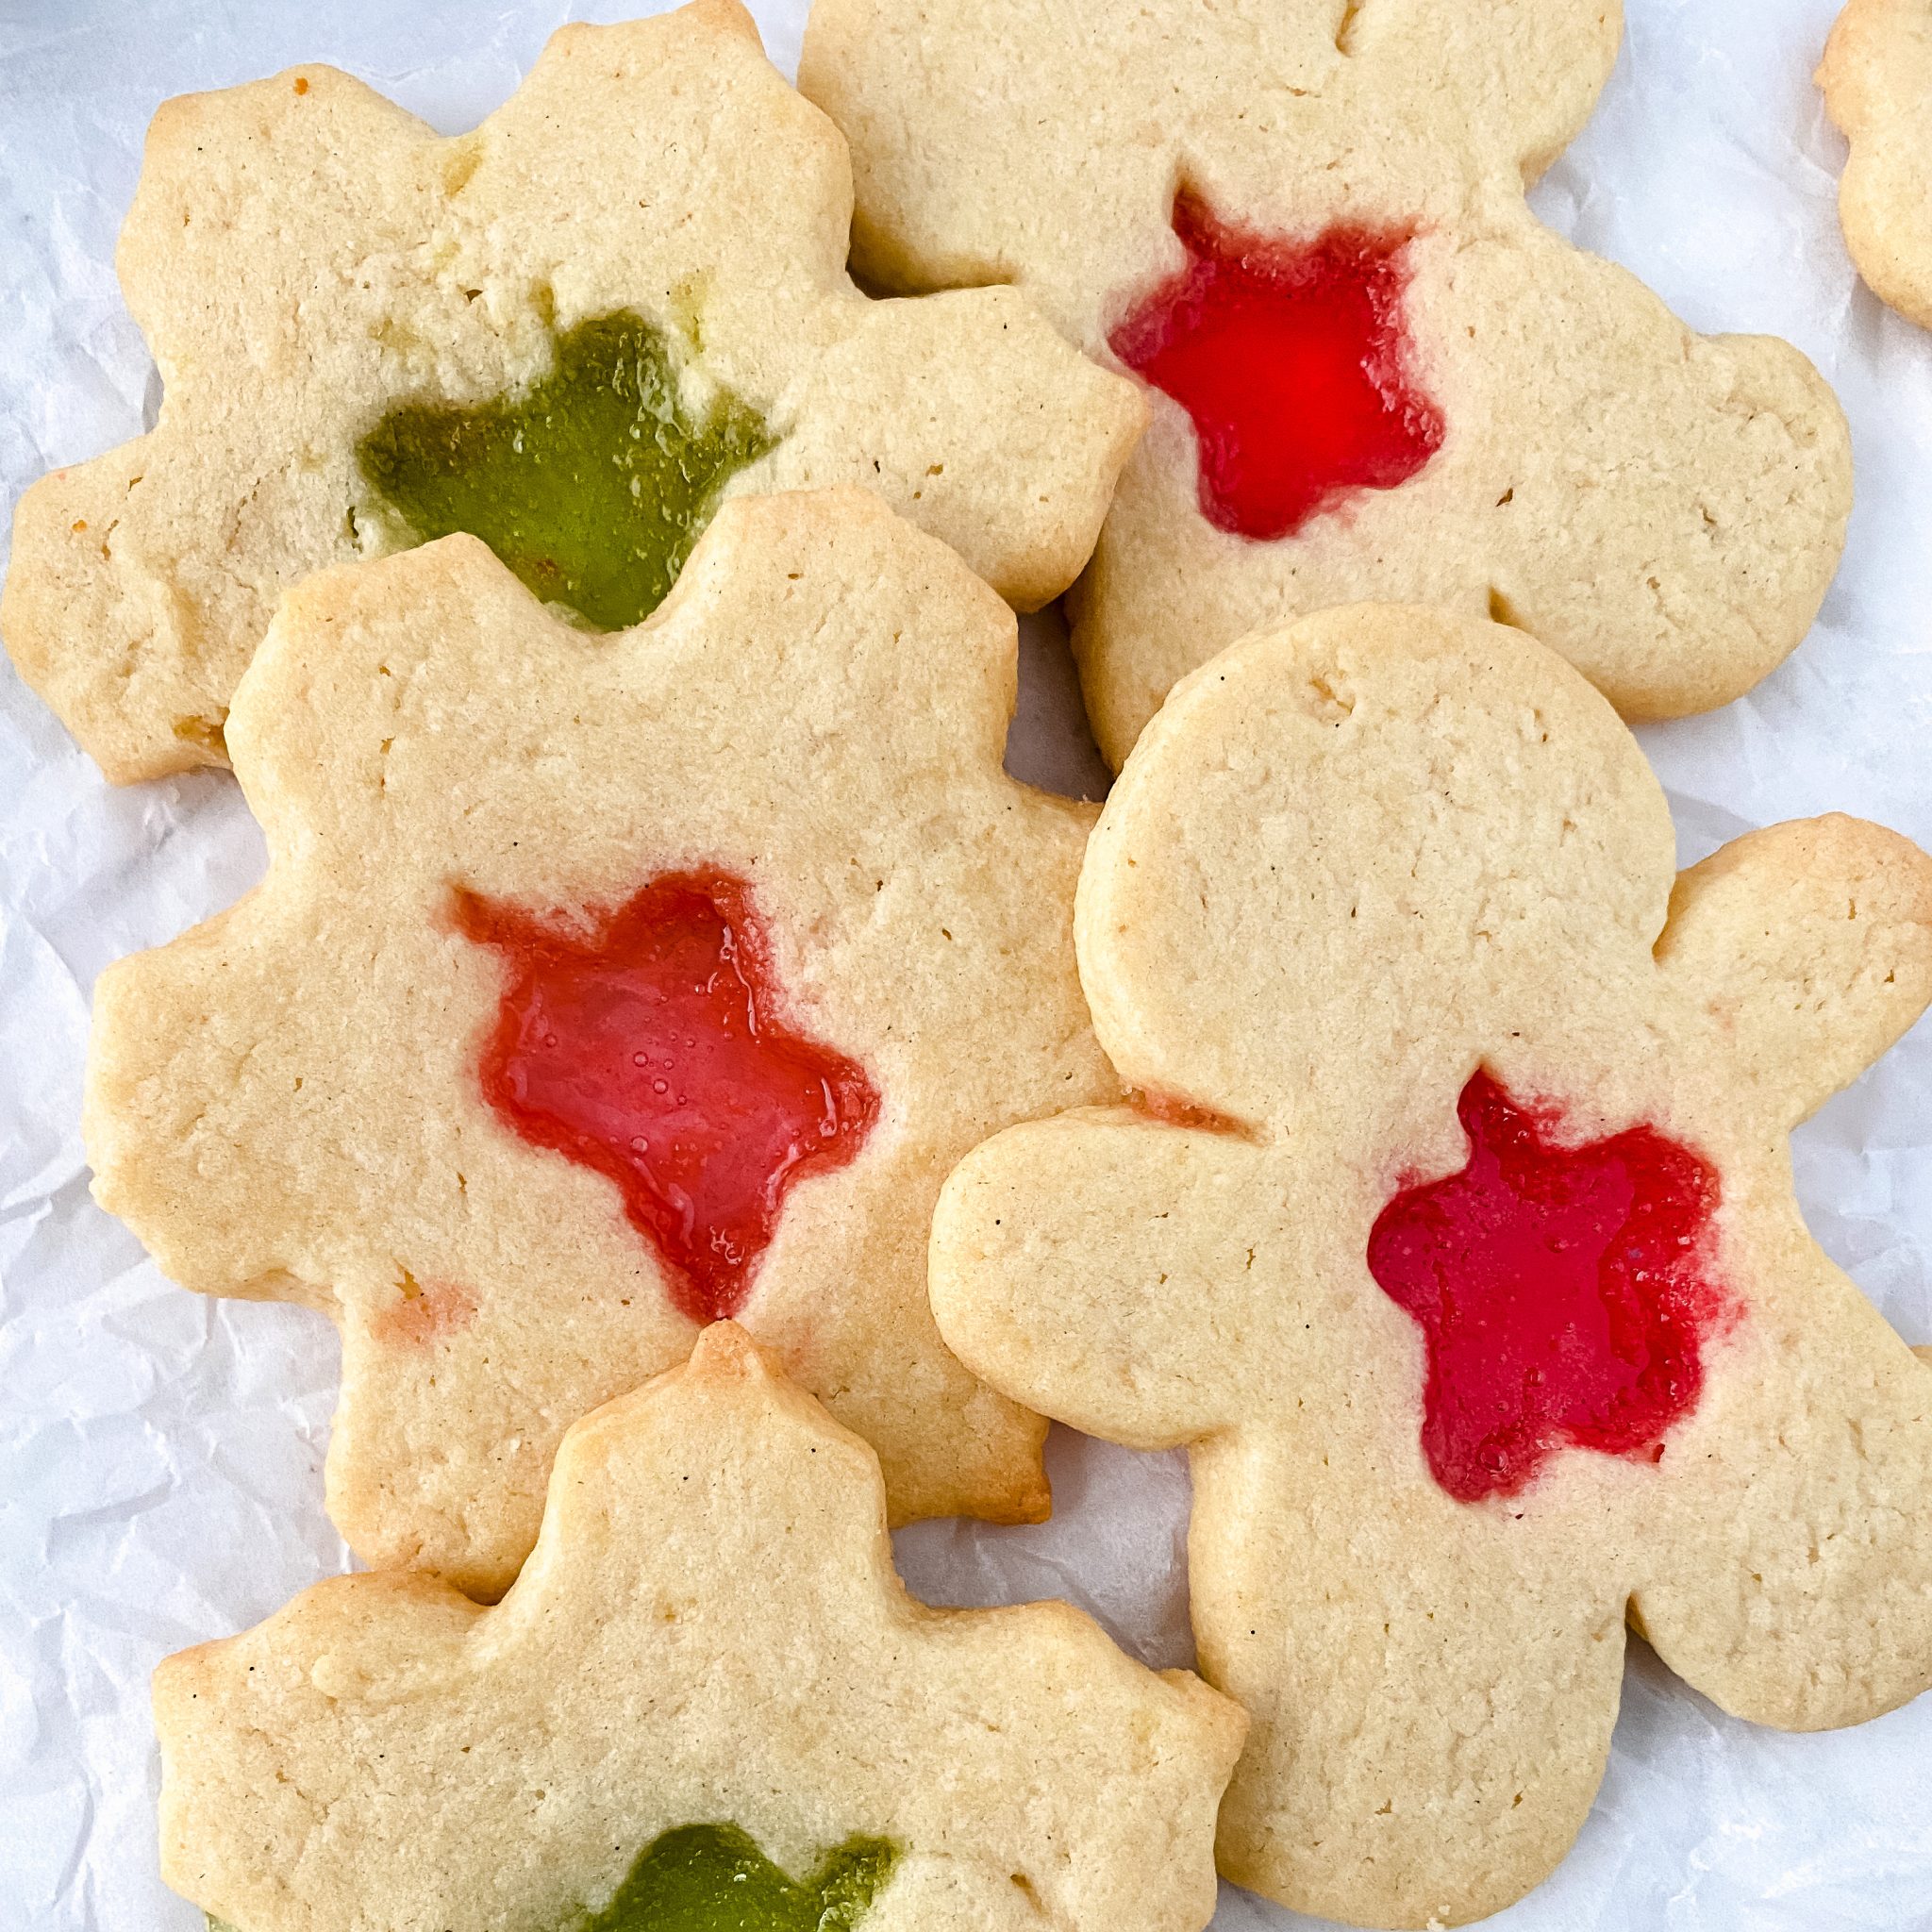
[(1458, 1241), (1374, 374)]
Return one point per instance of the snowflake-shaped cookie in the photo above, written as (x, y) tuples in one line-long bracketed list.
[(1458, 1241), (569, 331), (1878, 81), (707, 1677), (1374, 374), (602, 986)]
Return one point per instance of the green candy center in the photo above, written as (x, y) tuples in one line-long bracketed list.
[(713, 1878), (591, 484)]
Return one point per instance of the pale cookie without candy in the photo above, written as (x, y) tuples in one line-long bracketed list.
[(1459, 1244), (568, 331), (604, 986), (1374, 374), (708, 1663), (1878, 81)]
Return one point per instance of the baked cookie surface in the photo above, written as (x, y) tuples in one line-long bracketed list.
[(707, 1702), (1876, 77), (1372, 372), (570, 331), (1457, 1241), (603, 986)]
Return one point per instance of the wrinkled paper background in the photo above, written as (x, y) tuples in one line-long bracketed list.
[(160, 1455)]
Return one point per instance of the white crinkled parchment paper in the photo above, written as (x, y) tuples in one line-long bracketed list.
[(160, 1455)]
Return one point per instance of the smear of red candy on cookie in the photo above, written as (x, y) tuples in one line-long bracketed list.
[(1291, 358), (1171, 1110), (425, 1313), (651, 1044), (1563, 1292)]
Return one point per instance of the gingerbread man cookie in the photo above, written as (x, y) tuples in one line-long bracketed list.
[(604, 986), (708, 1687), (1374, 374), (1878, 81), (569, 332), (1458, 1241)]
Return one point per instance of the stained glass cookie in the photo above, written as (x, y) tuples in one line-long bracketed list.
[(1455, 1234), (603, 986), (708, 1706), (572, 332), (1372, 372)]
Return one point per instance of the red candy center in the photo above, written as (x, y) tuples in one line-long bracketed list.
[(1292, 360), (1563, 1292), (651, 1046)]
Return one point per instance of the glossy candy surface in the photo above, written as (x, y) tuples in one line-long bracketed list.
[(650, 1043), (1293, 360), (592, 485), (713, 1878), (1565, 1293)]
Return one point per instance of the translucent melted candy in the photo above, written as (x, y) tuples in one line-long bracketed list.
[(713, 1878), (1292, 358), (592, 485), (652, 1045), (1565, 1293)]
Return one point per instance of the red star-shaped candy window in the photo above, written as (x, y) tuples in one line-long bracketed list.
[(1292, 360), (1561, 1290), (651, 1046)]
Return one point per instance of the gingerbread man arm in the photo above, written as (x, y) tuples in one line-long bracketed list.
[(1807, 950), (1876, 77), (1136, 1237), (1534, 68)]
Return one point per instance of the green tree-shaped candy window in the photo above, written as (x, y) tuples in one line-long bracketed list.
[(591, 484), (713, 1878)]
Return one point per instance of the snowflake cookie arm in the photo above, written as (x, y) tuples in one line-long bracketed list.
[(968, 413), (1877, 76), (124, 605), (1806, 949), (630, 1684)]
